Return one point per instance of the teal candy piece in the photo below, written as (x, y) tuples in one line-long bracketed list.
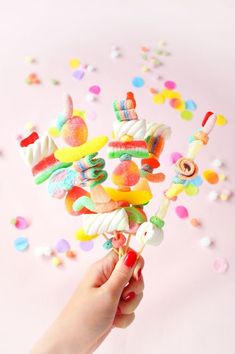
[(108, 244), (157, 221), (178, 180), (191, 139), (190, 105), (197, 181)]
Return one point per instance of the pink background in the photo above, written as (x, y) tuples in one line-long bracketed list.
[(187, 308)]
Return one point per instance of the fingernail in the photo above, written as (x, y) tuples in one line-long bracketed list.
[(118, 312), (130, 259), (139, 274), (129, 296)]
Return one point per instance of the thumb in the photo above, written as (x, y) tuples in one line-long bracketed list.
[(121, 274)]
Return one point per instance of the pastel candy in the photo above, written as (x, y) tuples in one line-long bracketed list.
[(83, 202), (134, 128), (123, 105), (72, 154), (116, 220), (108, 244), (126, 115), (74, 131), (137, 148), (126, 174), (149, 234), (61, 181)]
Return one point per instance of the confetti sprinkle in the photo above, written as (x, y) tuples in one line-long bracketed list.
[(21, 244), (221, 120), (20, 222), (86, 246), (138, 82), (55, 82), (222, 177), (210, 176), (71, 254), (220, 265), (32, 79), (190, 105), (225, 195), (90, 97), (115, 52), (158, 98), (195, 222), (181, 212), (217, 163), (95, 89), (74, 63), (30, 60), (62, 246), (78, 74), (191, 190), (56, 261)]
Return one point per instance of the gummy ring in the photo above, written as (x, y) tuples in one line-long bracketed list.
[(186, 168), (200, 135)]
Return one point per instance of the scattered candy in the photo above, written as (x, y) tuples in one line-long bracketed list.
[(175, 156), (138, 82), (186, 115), (86, 246), (205, 242), (33, 79), (170, 85), (56, 261), (20, 222), (210, 176), (21, 244), (225, 195), (74, 63), (71, 254), (221, 120), (222, 177), (220, 265), (181, 212), (217, 163), (190, 105), (213, 195), (95, 89), (78, 74), (195, 222), (62, 246), (115, 52)]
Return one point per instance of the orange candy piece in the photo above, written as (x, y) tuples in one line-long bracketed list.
[(210, 176), (72, 196)]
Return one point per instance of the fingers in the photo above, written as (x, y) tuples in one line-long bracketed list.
[(123, 321), (134, 286), (126, 307)]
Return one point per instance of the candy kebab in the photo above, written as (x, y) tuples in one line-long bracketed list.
[(151, 232)]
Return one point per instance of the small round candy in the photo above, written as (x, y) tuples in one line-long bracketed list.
[(20, 222), (175, 156), (191, 190), (108, 244), (74, 131), (220, 265), (195, 222), (221, 120), (210, 176), (86, 246), (205, 242), (62, 246), (177, 103), (158, 98), (213, 195), (217, 163), (56, 261), (181, 212), (71, 254), (21, 244), (74, 63), (78, 74), (186, 115), (190, 105), (95, 89)]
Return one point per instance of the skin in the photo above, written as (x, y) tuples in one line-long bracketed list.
[(96, 307)]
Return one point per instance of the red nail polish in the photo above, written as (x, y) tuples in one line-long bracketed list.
[(139, 274), (130, 258), (130, 296)]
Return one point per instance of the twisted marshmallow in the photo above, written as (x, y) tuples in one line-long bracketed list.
[(134, 128), (41, 148)]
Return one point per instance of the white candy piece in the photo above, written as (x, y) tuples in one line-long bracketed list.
[(116, 220), (205, 242), (90, 97), (213, 195), (217, 163), (149, 234), (134, 128)]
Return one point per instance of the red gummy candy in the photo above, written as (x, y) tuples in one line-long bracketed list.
[(130, 96), (151, 161), (45, 163), (29, 140), (205, 119)]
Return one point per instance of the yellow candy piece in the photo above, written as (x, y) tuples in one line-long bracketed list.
[(222, 177), (191, 190), (80, 235), (56, 261), (174, 190), (126, 138), (78, 113), (54, 132), (158, 98), (169, 94), (74, 63), (132, 197), (72, 154), (221, 120)]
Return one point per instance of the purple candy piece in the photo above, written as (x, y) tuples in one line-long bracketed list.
[(86, 246), (62, 246), (78, 74)]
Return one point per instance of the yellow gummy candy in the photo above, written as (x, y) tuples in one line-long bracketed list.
[(158, 98), (221, 120), (191, 190), (174, 190), (133, 197), (74, 63), (80, 235), (72, 154)]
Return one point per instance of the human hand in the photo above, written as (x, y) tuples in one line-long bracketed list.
[(106, 298)]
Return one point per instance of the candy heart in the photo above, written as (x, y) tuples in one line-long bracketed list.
[(148, 233)]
